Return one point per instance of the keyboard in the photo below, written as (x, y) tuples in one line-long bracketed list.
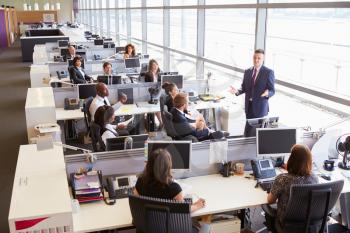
[(123, 193), (266, 186)]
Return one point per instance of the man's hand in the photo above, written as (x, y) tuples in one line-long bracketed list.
[(233, 90), (121, 126), (123, 98), (265, 93)]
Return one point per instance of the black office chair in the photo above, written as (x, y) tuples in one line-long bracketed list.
[(97, 142), (167, 119), (308, 208), (153, 215), (87, 115)]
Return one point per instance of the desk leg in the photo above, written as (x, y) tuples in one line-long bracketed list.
[(345, 209)]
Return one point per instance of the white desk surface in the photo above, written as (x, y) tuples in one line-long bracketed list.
[(62, 115), (41, 97), (221, 194)]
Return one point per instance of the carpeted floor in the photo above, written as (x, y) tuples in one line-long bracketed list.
[(14, 82)]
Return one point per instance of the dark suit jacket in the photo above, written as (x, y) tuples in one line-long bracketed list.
[(169, 102), (264, 80), (183, 128), (76, 77)]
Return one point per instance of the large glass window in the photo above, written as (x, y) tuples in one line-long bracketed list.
[(155, 3), (157, 54), (220, 2), (230, 36), (136, 24), (183, 64), (155, 26), (183, 2), (310, 47), (183, 30)]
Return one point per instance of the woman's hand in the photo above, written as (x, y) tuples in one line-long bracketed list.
[(198, 204)]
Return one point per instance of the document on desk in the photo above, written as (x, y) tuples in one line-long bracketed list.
[(126, 122), (125, 109), (218, 151)]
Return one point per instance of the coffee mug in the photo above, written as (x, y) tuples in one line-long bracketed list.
[(239, 168)]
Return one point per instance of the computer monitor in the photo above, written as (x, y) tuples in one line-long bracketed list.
[(264, 122), (180, 152), (132, 63), (119, 143), (109, 80), (119, 49), (98, 42), (177, 79), (109, 44), (129, 93), (81, 53), (108, 39), (64, 52), (86, 90), (63, 43), (275, 142)]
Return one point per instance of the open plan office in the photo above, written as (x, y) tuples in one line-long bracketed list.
[(182, 116)]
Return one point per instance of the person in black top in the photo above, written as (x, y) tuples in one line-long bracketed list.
[(76, 73), (152, 75), (156, 180), (171, 91)]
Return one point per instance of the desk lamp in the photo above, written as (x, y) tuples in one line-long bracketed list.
[(343, 147), (153, 91)]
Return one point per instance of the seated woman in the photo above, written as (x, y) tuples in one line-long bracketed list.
[(171, 91), (299, 167), (130, 51), (104, 117), (185, 127), (152, 75), (76, 72), (156, 180)]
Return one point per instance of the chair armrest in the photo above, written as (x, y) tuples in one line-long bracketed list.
[(269, 210)]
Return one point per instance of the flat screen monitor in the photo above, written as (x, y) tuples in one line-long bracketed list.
[(119, 49), (180, 152), (86, 90), (64, 52), (132, 63), (107, 45), (177, 79), (108, 39), (98, 42), (129, 93), (70, 63), (119, 143), (109, 80), (63, 43), (264, 122), (275, 142), (81, 53)]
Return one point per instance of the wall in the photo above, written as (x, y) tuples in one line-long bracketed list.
[(64, 15)]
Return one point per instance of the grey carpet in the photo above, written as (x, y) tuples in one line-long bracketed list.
[(14, 82)]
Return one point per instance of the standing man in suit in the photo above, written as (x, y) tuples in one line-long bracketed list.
[(258, 85)]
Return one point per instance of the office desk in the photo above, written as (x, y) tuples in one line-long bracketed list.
[(63, 115), (221, 194)]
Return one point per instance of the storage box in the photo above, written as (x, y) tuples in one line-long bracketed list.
[(226, 226)]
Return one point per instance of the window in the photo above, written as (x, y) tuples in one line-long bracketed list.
[(183, 30), (155, 2), (310, 47), (221, 2), (136, 24), (183, 2), (135, 3), (230, 36), (122, 23), (183, 64), (156, 53), (155, 26)]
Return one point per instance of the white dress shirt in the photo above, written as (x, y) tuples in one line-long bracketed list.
[(99, 101), (108, 134), (81, 71)]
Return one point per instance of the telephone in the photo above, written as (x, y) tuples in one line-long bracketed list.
[(71, 104), (62, 74), (119, 187), (263, 169), (58, 58), (97, 57)]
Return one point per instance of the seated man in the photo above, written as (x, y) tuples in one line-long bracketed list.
[(107, 69), (184, 127), (101, 99)]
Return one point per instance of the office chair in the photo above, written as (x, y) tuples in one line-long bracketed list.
[(153, 215), (87, 115), (167, 119), (97, 142), (307, 209)]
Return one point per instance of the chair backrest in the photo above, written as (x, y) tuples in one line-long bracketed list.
[(87, 115), (309, 205), (153, 215), (167, 119), (97, 142), (162, 103)]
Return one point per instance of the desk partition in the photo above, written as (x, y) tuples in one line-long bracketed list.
[(133, 161)]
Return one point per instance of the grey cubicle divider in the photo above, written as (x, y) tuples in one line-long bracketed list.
[(39, 36), (103, 52), (140, 92), (133, 161), (57, 66)]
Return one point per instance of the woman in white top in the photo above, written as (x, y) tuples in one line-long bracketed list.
[(104, 117)]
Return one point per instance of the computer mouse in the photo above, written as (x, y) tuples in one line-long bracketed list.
[(326, 177)]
